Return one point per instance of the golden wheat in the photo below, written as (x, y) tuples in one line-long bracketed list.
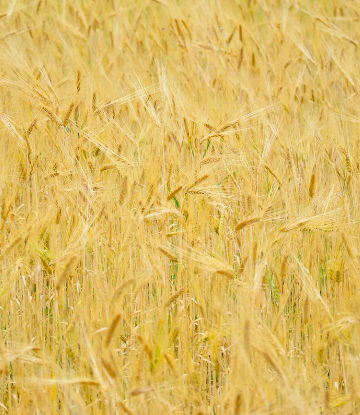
[(179, 188)]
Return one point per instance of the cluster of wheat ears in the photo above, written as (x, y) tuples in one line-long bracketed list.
[(179, 207)]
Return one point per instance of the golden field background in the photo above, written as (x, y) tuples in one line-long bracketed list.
[(179, 187)]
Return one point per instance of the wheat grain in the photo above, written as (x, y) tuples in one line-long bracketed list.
[(78, 81), (198, 181), (140, 391), (273, 174), (111, 330), (347, 160), (226, 273), (312, 182), (210, 159), (174, 193), (167, 254), (174, 297), (246, 222), (122, 287), (109, 368), (69, 266), (31, 127), (94, 102), (52, 116), (123, 191), (68, 113)]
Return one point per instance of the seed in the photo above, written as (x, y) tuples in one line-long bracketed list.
[(167, 254), (245, 223), (312, 182), (31, 127), (72, 261), (140, 391), (123, 191), (347, 159), (175, 192), (68, 113), (112, 328), (94, 102), (198, 181), (226, 273), (174, 297), (78, 81)]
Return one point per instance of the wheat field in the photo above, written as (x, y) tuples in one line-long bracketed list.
[(179, 199)]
